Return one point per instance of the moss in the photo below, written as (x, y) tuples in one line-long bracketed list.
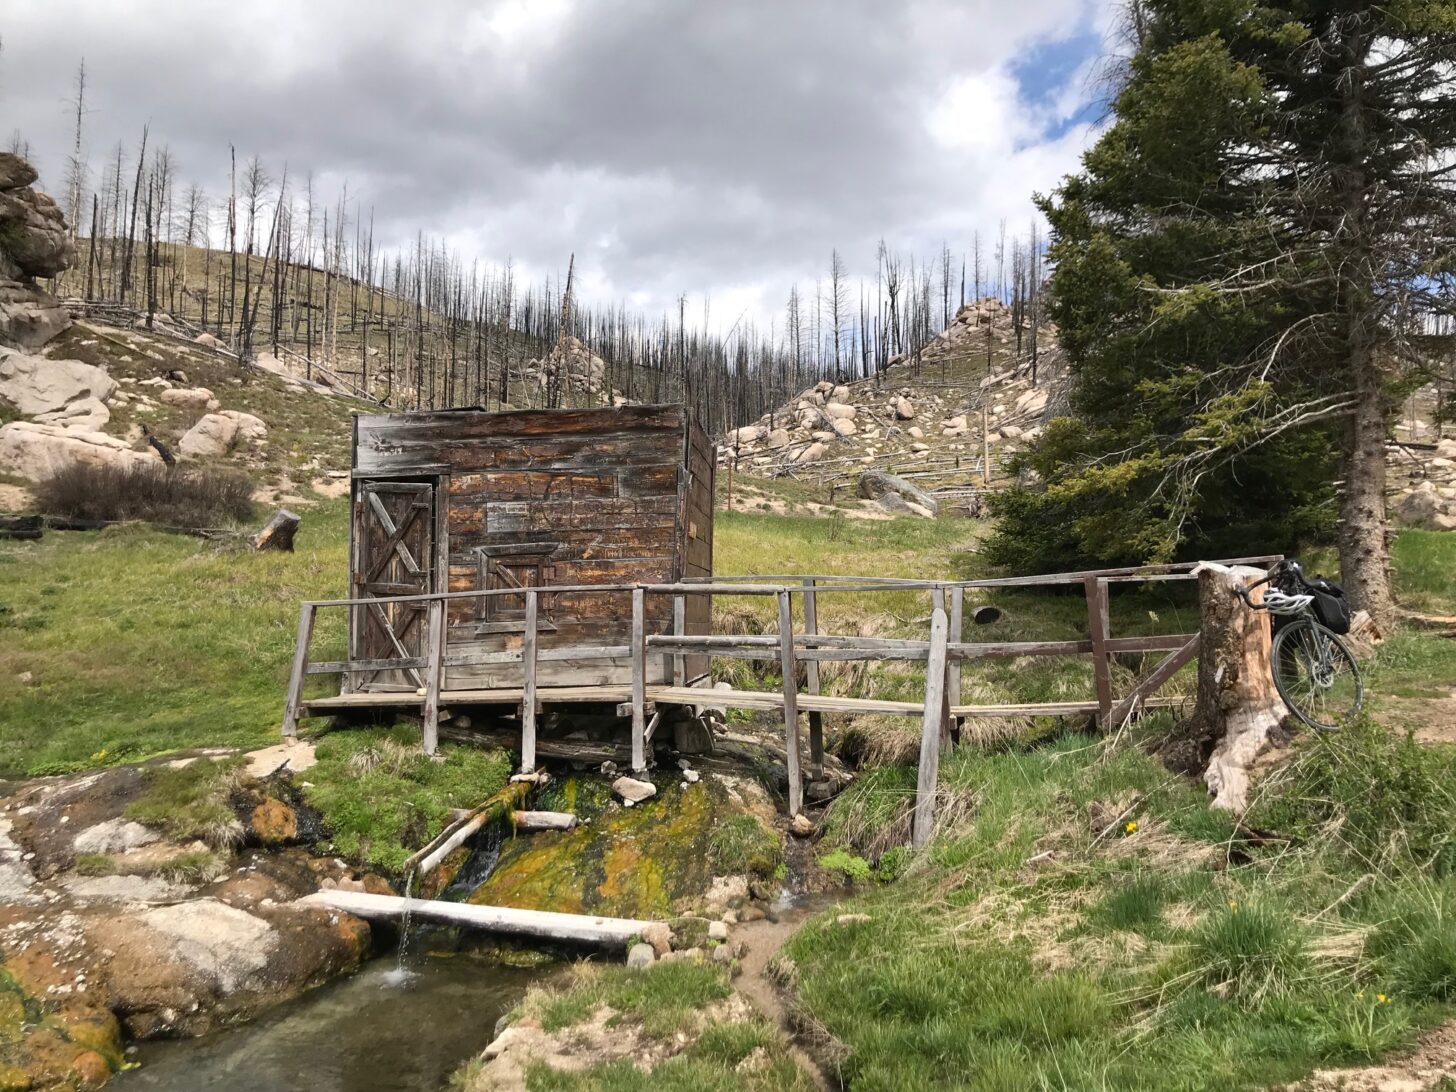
[(627, 862), (743, 844)]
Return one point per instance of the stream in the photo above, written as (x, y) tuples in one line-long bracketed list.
[(375, 1031)]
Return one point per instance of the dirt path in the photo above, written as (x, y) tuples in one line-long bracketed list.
[(764, 939), (1429, 1066)]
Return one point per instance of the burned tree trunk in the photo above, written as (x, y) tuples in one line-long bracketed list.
[(278, 533), (1237, 704)]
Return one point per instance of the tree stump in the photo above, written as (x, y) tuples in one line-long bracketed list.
[(1237, 704), (278, 533)]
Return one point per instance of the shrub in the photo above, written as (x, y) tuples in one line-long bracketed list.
[(191, 497), (1380, 798), (1255, 950)]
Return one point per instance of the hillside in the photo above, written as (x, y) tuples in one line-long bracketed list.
[(949, 423)]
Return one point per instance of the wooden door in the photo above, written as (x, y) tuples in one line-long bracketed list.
[(394, 526)]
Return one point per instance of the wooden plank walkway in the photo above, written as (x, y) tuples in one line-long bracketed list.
[(692, 695)]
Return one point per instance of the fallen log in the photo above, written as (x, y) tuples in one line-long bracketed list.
[(529, 821), (21, 527), (542, 924), (460, 831), (278, 533)]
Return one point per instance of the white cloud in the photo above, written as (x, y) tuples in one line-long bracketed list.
[(674, 146)]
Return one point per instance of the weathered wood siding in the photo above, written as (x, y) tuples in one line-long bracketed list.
[(556, 497)]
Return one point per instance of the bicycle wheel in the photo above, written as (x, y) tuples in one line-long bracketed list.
[(1316, 675)]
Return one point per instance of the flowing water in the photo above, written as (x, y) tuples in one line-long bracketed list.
[(365, 1033)]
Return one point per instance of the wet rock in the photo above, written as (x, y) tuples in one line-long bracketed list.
[(801, 826), (633, 791)]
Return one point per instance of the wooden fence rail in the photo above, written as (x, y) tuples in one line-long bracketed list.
[(944, 652)]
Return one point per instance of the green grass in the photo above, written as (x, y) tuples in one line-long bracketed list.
[(1039, 943), (663, 1000), (382, 799), (191, 801), (741, 844), (669, 1003), (139, 642)]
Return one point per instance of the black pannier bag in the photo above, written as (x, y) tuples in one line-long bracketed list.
[(1331, 608)]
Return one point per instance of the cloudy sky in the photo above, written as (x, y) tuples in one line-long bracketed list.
[(718, 149)]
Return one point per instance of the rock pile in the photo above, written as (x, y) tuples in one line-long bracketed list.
[(34, 243), (907, 421), (573, 365), (1429, 500)]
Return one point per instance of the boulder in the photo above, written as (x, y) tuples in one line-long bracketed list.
[(29, 316), (1424, 507), (874, 484), (33, 233), (839, 411), (1032, 401), (15, 172), (640, 957), (659, 935), (213, 434), (843, 426), (778, 438), (904, 409), (916, 432), (897, 505), (809, 418), (218, 433), (30, 449), (189, 398), (812, 453), (1446, 449), (1010, 432), (748, 434), (211, 341), (33, 385), (839, 394), (84, 415)]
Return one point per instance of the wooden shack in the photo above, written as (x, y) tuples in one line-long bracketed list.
[(462, 500)]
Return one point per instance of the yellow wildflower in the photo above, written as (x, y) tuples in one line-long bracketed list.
[(1381, 998), (1131, 826)]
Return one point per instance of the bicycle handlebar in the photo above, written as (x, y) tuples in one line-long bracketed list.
[(1288, 565)]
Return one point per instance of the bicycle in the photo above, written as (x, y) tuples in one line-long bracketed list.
[(1314, 671)]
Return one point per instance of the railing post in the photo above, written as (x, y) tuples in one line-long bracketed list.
[(676, 664), (791, 702), (293, 704), (434, 669), (1098, 627), (528, 686), (953, 668), (639, 680), (930, 729), (811, 671)]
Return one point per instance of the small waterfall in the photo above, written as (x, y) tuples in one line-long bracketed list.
[(401, 974)]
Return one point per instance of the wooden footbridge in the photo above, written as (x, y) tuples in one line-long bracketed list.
[(681, 659)]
